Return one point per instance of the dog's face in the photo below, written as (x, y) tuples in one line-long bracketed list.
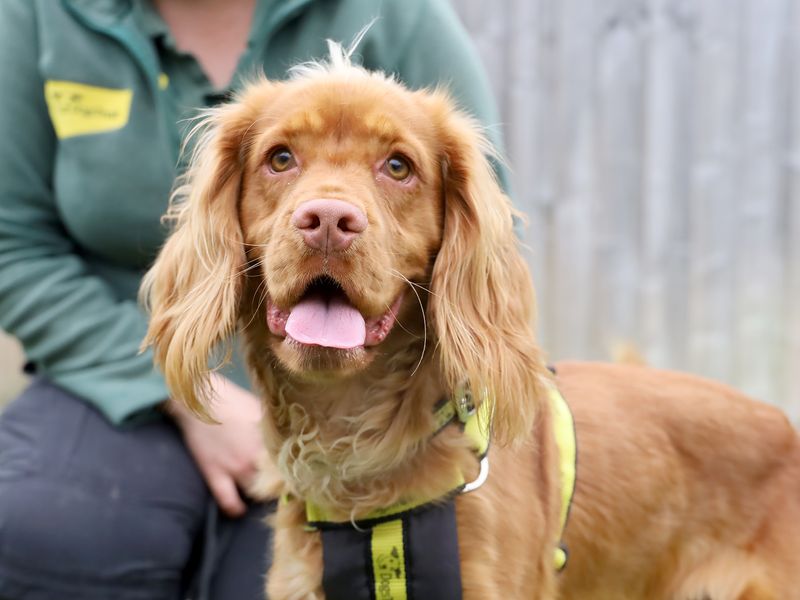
[(341, 203), (340, 216)]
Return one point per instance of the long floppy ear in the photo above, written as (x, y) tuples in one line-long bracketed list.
[(482, 299), (193, 288)]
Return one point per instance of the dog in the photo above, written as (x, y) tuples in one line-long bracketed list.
[(353, 233)]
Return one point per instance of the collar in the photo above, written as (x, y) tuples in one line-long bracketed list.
[(476, 425)]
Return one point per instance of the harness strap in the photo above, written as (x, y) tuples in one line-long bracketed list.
[(413, 556), (565, 437)]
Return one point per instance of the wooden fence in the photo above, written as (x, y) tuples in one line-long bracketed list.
[(656, 150)]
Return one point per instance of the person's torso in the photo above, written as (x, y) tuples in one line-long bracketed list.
[(121, 96)]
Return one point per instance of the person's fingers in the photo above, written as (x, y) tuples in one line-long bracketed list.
[(245, 474), (246, 486), (223, 488)]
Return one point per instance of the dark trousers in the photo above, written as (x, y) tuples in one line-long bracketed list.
[(90, 511)]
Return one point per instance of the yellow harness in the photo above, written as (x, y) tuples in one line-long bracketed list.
[(384, 537), (567, 444)]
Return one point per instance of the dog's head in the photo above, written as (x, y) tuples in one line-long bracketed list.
[(344, 215)]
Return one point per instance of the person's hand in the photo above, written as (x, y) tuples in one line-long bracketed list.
[(227, 453)]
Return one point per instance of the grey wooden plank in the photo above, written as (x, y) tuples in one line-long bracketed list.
[(529, 99), (664, 235), (759, 276), (714, 165), (618, 150), (791, 396), (573, 116)]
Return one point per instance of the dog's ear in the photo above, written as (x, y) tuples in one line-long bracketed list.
[(194, 286), (482, 299)]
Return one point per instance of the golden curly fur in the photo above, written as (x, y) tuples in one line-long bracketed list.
[(686, 490)]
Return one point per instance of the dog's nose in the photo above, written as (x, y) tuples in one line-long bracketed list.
[(329, 225)]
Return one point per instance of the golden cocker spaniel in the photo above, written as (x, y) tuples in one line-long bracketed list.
[(353, 232)]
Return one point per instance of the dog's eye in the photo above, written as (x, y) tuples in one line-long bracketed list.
[(281, 159), (398, 167)]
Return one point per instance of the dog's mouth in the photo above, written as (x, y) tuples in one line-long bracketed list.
[(324, 316)]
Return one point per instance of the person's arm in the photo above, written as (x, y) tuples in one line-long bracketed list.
[(228, 453), (71, 325)]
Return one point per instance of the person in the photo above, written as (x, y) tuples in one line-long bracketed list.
[(104, 493)]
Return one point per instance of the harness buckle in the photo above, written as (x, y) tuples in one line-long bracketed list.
[(483, 475), (465, 405)]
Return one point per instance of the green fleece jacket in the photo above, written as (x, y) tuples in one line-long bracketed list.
[(90, 132)]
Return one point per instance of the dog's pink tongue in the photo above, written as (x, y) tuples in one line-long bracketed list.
[(331, 322)]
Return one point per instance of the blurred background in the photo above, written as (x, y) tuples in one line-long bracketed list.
[(655, 146), (656, 150)]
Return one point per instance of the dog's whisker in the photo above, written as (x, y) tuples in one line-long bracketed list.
[(255, 121), (261, 301), (427, 290), (199, 288), (253, 263), (398, 274)]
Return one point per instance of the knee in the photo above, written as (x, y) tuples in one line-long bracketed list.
[(52, 532)]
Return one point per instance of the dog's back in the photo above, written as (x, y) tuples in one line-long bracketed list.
[(686, 489)]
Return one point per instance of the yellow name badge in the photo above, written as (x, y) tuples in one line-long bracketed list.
[(80, 109)]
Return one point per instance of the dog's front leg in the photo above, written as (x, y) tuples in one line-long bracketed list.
[(296, 572)]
